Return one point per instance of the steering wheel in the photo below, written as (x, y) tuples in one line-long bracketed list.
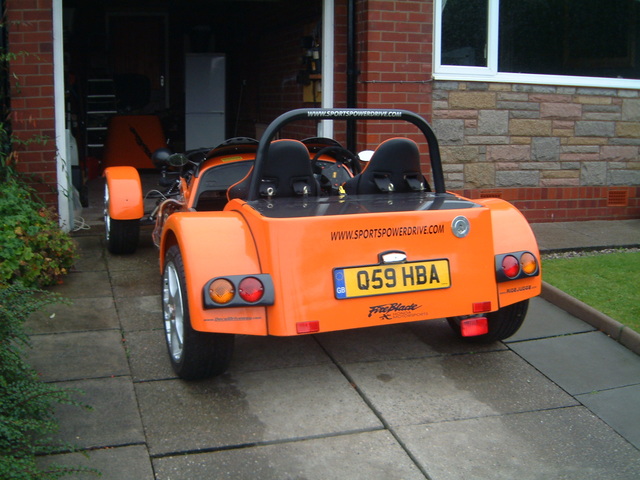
[(333, 175), (343, 156)]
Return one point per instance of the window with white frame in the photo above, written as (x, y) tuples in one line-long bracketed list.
[(578, 42)]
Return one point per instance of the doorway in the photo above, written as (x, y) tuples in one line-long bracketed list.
[(137, 46)]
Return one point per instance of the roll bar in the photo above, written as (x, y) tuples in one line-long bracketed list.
[(345, 114)]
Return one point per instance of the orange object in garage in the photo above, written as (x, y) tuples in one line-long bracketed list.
[(131, 139)]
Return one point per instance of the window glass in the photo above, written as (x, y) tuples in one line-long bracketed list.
[(464, 32), (569, 37)]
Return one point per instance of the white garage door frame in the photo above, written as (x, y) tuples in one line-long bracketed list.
[(63, 166)]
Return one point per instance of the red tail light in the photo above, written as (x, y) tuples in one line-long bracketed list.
[(308, 327), (474, 326), (510, 266), (251, 289), (481, 307), (516, 265), (239, 291)]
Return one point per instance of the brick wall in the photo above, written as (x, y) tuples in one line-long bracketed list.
[(558, 153), (32, 103), (395, 43), (278, 41)]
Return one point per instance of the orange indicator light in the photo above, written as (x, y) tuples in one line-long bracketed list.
[(221, 291), (528, 263)]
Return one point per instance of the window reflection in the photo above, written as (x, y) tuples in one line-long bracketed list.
[(464, 32), (569, 37), (587, 38)]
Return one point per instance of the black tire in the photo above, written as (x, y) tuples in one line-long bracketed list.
[(194, 355), (122, 236), (502, 324)]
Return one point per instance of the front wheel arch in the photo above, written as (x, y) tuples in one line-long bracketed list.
[(122, 236)]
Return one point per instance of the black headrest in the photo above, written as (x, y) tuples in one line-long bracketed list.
[(394, 167), (287, 171)]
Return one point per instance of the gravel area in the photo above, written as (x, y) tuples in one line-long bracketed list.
[(588, 253)]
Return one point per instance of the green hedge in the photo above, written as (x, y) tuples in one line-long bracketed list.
[(35, 251), (27, 420)]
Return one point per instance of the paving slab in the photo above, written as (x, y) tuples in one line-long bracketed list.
[(396, 342), (90, 254), (406, 392), (591, 234), (93, 222), (567, 443), (84, 284), (149, 360), (365, 456), (78, 355), (113, 420), (140, 313), (120, 463), (554, 236), (148, 357), (619, 408), (145, 256), (255, 354), (91, 313), (608, 233), (582, 363), (255, 407), (138, 282), (546, 320)]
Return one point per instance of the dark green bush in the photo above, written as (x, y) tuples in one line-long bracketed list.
[(35, 251), (26, 403)]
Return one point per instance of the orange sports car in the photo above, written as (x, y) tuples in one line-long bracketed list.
[(287, 237)]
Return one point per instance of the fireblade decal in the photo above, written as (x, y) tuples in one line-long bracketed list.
[(388, 308)]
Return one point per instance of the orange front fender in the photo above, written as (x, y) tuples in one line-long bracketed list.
[(125, 193)]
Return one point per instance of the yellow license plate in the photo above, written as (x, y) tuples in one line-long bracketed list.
[(351, 282)]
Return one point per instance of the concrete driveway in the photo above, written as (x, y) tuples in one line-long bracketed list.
[(558, 400)]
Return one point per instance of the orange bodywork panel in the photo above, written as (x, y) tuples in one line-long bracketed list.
[(302, 252), (131, 139), (512, 232), (125, 193), (214, 244)]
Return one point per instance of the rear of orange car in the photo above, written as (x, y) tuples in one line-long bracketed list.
[(362, 261)]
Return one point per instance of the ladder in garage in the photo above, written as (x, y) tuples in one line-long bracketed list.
[(100, 107)]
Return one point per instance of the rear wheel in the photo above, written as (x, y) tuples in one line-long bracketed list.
[(194, 355), (502, 323), (122, 235)]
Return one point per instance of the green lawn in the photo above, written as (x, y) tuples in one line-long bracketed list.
[(609, 282)]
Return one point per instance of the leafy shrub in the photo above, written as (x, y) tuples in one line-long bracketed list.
[(35, 251), (26, 412)]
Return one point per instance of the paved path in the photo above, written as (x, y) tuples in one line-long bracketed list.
[(558, 400)]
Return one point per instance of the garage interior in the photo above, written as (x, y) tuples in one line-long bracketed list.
[(128, 58)]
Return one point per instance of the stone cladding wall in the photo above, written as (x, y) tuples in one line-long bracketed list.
[(558, 153)]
